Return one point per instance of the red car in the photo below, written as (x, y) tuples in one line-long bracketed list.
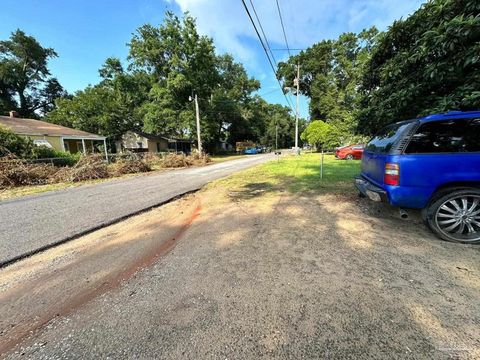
[(349, 152)]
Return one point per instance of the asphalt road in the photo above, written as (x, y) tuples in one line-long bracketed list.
[(33, 223)]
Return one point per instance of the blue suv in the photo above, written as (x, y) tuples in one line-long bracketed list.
[(430, 163)]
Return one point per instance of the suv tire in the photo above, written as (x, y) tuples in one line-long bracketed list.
[(349, 157), (454, 215)]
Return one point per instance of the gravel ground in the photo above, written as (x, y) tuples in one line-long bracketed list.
[(38, 221), (265, 274)]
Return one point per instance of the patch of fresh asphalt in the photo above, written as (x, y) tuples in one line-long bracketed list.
[(38, 222)]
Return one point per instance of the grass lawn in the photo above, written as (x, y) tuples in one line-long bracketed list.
[(300, 174), (228, 157)]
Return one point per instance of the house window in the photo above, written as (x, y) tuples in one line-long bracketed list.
[(44, 143), (140, 145), (158, 147)]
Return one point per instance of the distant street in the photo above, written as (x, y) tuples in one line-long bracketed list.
[(39, 221)]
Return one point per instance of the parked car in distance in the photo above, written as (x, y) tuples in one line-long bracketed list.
[(250, 151), (349, 152), (433, 164)]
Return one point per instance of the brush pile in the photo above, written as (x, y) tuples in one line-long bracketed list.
[(89, 167), (17, 172), (132, 166), (180, 160)]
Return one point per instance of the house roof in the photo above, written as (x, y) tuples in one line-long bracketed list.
[(160, 137), (24, 126)]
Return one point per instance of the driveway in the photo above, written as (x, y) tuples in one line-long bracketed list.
[(37, 222), (247, 273)]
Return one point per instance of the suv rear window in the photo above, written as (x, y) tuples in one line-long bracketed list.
[(448, 136), (386, 138)]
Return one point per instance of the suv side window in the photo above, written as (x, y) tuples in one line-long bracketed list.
[(384, 140), (447, 136)]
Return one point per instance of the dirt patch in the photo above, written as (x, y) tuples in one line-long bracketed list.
[(274, 275), (57, 282), (250, 191)]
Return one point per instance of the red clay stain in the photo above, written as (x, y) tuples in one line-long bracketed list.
[(109, 283)]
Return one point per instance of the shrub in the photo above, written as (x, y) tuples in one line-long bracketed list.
[(62, 158), (19, 146)]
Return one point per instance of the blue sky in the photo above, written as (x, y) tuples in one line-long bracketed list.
[(85, 32)]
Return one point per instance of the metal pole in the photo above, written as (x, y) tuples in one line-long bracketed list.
[(276, 137), (321, 166), (297, 114), (197, 110)]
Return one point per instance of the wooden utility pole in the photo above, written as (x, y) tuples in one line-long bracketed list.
[(297, 150), (197, 111)]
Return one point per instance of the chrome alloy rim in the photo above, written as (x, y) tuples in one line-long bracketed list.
[(459, 218)]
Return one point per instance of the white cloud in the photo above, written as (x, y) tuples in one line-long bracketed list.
[(306, 21)]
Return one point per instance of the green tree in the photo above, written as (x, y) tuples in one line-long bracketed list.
[(424, 64), (331, 72), (183, 63), (180, 63), (322, 135), (168, 64), (109, 108), (26, 84)]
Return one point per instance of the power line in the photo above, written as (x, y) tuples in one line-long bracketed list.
[(266, 52), (263, 32), (268, 93), (280, 49), (283, 28)]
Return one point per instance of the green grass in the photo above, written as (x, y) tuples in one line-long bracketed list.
[(300, 174)]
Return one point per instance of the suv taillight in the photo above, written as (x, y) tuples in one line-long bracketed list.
[(392, 174)]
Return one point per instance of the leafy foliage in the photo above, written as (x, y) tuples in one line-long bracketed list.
[(109, 108), (11, 143), (424, 64), (62, 157), (24, 148), (167, 66), (26, 84), (331, 72), (323, 135)]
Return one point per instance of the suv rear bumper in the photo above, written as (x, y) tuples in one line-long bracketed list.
[(370, 190)]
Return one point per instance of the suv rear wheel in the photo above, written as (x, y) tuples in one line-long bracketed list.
[(455, 215)]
